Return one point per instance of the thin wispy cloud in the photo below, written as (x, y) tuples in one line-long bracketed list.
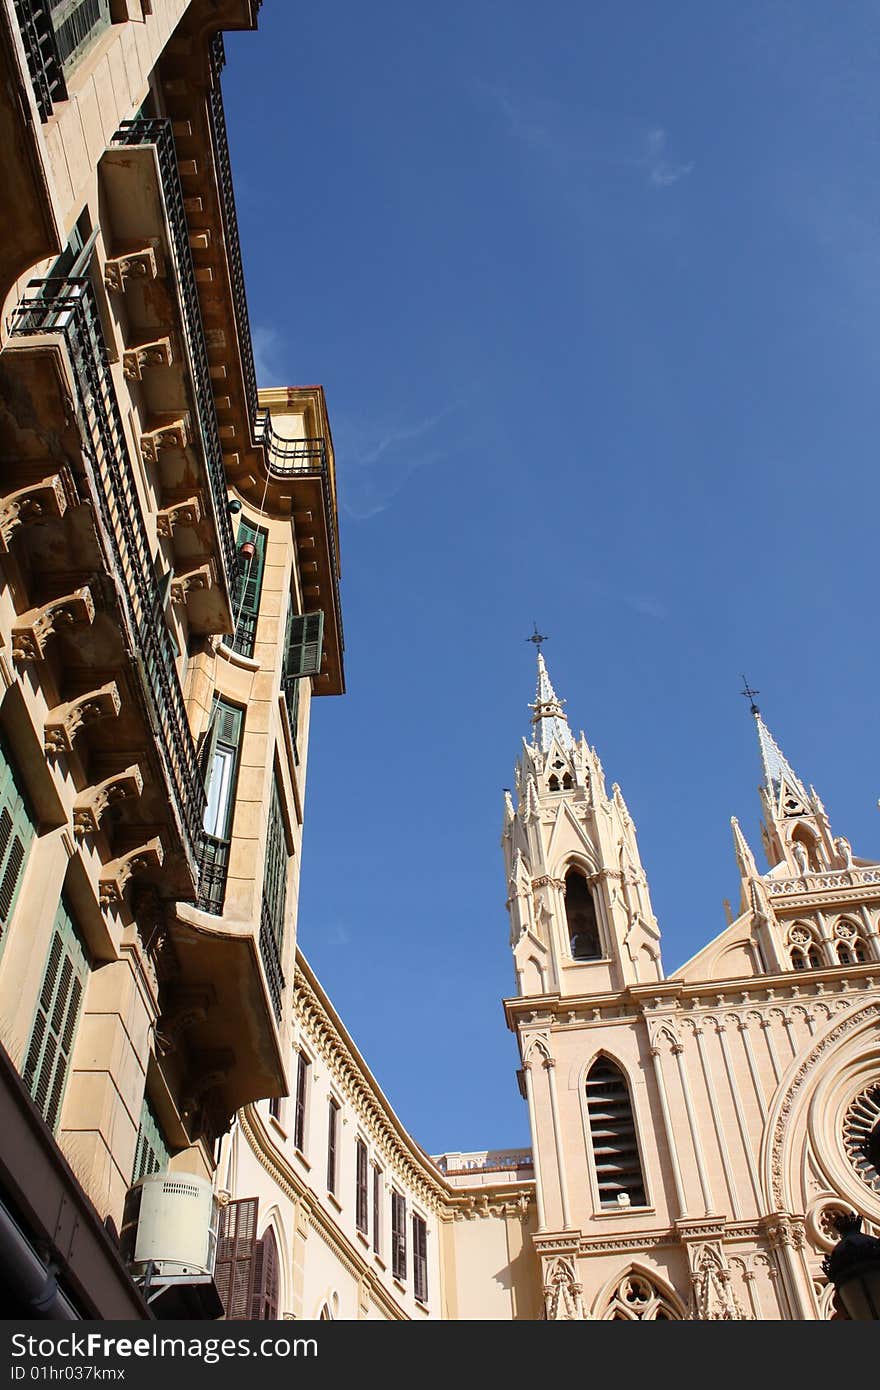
[(663, 172), (649, 605), (379, 459), (569, 140), (336, 935), (268, 350)]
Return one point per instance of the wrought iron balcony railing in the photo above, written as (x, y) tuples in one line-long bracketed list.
[(68, 307), (157, 131), (271, 958), (41, 49), (230, 226)]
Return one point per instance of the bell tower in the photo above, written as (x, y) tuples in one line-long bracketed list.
[(581, 920)]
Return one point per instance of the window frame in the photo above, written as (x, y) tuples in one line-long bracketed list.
[(398, 1235), (378, 1179), (599, 1211), (420, 1257), (333, 1109), (361, 1186), (301, 1101)]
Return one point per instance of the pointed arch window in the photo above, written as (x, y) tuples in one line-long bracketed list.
[(850, 948), (553, 783), (615, 1146), (638, 1299), (264, 1306), (580, 915)]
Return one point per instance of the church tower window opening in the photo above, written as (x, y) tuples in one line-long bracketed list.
[(615, 1146), (580, 914)]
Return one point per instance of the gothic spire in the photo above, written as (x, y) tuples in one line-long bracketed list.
[(548, 720), (778, 771)]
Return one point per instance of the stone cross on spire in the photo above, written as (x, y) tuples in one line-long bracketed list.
[(548, 720)]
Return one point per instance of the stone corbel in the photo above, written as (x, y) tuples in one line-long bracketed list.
[(136, 265), (193, 581), (91, 805), (213, 1071), (187, 513), (28, 506), (145, 858), (189, 1007), (136, 360), (34, 628), (173, 435), (65, 721)]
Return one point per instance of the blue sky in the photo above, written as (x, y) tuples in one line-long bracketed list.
[(594, 293)]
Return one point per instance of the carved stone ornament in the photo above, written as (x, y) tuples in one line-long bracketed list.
[(31, 505), (563, 1295), (194, 581), (189, 1008), (713, 1298), (90, 806), (65, 721), (34, 628), (147, 857), (173, 435), (137, 360), (137, 265), (187, 514)]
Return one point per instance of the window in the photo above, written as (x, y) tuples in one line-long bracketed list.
[(77, 23), (377, 1210), (303, 645), (275, 1108), (637, 1299), (16, 835), (47, 1061), (361, 1219), (274, 897), (332, 1126), (236, 1251), (613, 1135), (264, 1306), (580, 914), (220, 757), (420, 1258), (302, 1085), (251, 545), (151, 1153), (398, 1235)]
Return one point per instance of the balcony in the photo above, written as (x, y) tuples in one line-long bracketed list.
[(41, 51), (154, 270), (65, 549)]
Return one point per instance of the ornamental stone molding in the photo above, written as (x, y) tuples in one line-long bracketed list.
[(187, 513), (147, 858), (174, 434), (713, 1298), (563, 1295), (64, 722), (137, 360), (90, 805), (34, 628), (32, 505), (144, 264)]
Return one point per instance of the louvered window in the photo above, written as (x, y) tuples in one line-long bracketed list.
[(332, 1127), (265, 1301), (302, 1087), (151, 1153), (77, 23), (303, 646), (236, 1248), (274, 898), (420, 1259), (398, 1235), (361, 1218), (16, 835), (220, 769), (377, 1210), (251, 544), (47, 1061), (613, 1134)]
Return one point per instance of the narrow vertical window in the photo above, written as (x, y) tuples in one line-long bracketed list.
[(332, 1127), (275, 1108), (398, 1236), (220, 766), (236, 1251), (251, 544), (377, 1210), (420, 1258), (613, 1134), (302, 1085), (264, 1306), (303, 645), (16, 835), (361, 1218), (48, 1057), (274, 898), (580, 914)]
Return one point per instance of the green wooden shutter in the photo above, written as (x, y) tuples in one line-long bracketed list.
[(277, 858), (304, 645), (151, 1153), (16, 834), (77, 23), (50, 1048), (248, 587)]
